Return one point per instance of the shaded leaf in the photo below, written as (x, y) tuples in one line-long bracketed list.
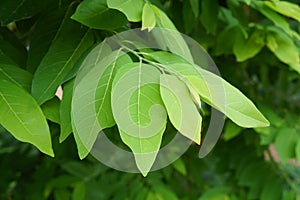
[(23, 118), (69, 43), (285, 143), (65, 111), (209, 15), (51, 110)]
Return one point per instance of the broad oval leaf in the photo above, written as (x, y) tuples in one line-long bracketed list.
[(181, 109), (215, 91), (139, 112), (23, 118), (51, 109), (131, 8), (96, 14)]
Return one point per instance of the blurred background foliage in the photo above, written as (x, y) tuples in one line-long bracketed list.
[(255, 45)]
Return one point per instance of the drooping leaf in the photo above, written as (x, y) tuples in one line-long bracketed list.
[(286, 8), (148, 17), (215, 91), (209, 15), (51, 110), (69, 43), (231, 130), (96, 14), (282, 46), (65, 111), (139, 112), (248, 48), (85, 123), (23, 118), (181, 109), (103, 91), (131, 8)]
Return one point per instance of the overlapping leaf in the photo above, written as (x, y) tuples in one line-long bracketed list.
[(139, 112), (23, 118), (69, 43), (215, 91), (131, 8)]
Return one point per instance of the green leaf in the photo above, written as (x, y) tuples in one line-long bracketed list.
[(51, 110), (168, 37), (285, 143), (298, 150), (43, 36), (16, 75), (84, 116), (248, 48), (286, 8), (95, 14), (11, 46), (214, 90), (179, 165), (64, 51), (23, 118), (139, 112), (282, 46), (148, 17), (103, 91), (216, 193), (209, 15), (15, 10), (231, 130), (79, 191), (131, 8), (181, 109), (195, 7), (278, 20), (65, 111), (272, 191)]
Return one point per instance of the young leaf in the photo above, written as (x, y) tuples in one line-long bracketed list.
[(139, 112), (51, 110), (282, 46), (148, 18), (23, 118), (60, 58), (131, 8), (95, 14), (103, 91), (65, 111), (286, 8), (181, 109), (248, 48), (214, 90)]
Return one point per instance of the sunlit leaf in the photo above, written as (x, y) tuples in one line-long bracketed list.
[(139, 112), (23, 118), (181, 109), (148, 17), (131, 8)]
